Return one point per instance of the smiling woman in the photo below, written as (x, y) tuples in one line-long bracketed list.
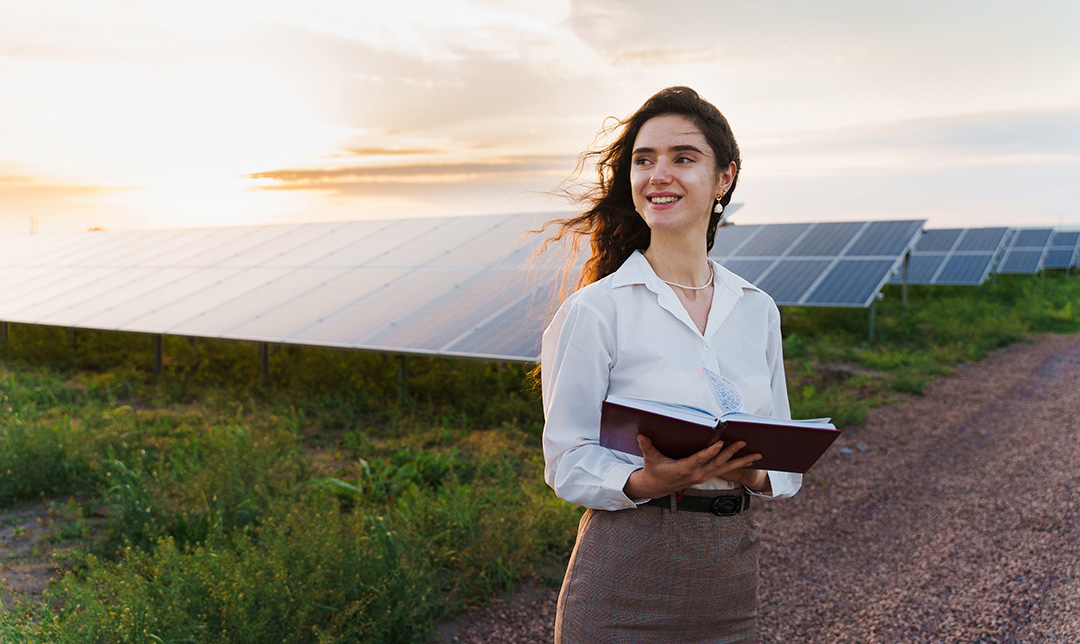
[(650, 565)]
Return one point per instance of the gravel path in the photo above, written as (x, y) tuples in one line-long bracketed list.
[(958, 520)]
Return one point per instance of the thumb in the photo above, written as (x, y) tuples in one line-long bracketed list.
[(648, 450)]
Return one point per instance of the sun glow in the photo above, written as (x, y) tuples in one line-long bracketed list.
[(174, 143)]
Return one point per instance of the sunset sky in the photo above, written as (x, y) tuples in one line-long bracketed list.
[(137, 114)]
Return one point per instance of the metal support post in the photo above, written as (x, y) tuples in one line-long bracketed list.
[(5, 333), (73, 340), (264, 359), (159, 350), (873, 309), (403, 391), (903, 288)]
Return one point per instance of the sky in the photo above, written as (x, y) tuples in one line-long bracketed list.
[(123, 114)]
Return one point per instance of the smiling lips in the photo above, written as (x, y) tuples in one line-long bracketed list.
[(663, 199)]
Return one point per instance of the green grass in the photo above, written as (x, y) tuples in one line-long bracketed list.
[(322, 507)]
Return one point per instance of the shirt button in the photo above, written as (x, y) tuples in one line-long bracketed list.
[(706, 347)]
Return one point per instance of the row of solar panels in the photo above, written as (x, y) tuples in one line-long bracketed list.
[(967, 256), (458, 286)]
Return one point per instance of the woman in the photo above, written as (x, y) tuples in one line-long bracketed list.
[(667, 549)]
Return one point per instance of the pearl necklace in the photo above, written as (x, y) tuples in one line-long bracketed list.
[(692, 288)]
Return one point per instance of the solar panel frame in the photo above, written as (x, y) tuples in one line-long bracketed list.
[(820, 248), (957, 256), (1064, 250), (1025, 251), (377, 285), (362, 281)]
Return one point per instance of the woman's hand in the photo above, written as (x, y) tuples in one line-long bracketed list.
[(662, 475)]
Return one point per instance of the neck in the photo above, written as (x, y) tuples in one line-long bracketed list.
[(680, 262)]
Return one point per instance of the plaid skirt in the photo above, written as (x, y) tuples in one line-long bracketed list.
[(652, 574)]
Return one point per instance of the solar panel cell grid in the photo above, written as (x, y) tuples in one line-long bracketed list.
[(104, 248), (772, 244), (826, 240), (495, 243), (229, 245), (748, 269), (426, 245), (778, 276), (183, 244), (983, 239), (884, 238), (790, 278), (283, 321), (1020, 261), (146, 289), (728, 238), (939, 240), (848, 281), (515, 330), (452, 313), (1065, 238), (1059, 259), (206, 290), (965, 269), (352, 325), (922, 268), (1032, 238), (65, 285), (280, 284), (29, 249)]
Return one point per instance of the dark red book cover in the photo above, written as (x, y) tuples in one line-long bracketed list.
[(783, 447)]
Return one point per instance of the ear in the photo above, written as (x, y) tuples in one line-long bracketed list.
[(726, 177)]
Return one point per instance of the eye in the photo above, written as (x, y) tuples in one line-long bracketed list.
[(641, 161), (684, 159)]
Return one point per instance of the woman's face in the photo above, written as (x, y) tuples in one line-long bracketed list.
[(673, 175)]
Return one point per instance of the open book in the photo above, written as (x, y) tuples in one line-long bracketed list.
[(680, 430)]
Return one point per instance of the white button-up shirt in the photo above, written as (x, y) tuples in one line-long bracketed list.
[(628, 334)]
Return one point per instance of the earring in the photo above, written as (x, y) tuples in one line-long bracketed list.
[(719, 207)]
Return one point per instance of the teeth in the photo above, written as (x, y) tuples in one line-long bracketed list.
[(663, 199)]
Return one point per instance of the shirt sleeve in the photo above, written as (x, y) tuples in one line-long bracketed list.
[(784, 484), (577, 353)]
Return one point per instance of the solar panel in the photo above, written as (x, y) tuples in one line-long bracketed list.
[(954, 256), (1064, 250), (819, 264), (436, 286), (1025, 251)]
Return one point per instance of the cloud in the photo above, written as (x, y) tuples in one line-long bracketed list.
[(1011, 138), (363, 178), (23, 188), (389, 152), (997, 168)]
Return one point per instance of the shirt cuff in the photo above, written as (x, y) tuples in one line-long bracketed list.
[(781, 485), (616, 480)]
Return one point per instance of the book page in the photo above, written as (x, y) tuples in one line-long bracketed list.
[(672, 410)]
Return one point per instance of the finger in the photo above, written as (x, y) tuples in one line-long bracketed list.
[(728, 452), (743, 461), (648, 450), (726, 469), (704, 456)]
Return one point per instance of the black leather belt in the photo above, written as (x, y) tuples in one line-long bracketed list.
[(726, 505)]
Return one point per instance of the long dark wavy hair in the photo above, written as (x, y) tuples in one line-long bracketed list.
[(610, 222)]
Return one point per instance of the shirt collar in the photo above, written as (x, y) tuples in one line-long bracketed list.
[(637, 270)]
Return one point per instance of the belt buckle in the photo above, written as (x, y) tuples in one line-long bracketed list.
[(726, 506)]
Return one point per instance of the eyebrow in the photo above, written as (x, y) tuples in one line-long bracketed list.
[(674, 148)]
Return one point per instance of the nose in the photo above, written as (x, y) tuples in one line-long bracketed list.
[(661, 173)]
